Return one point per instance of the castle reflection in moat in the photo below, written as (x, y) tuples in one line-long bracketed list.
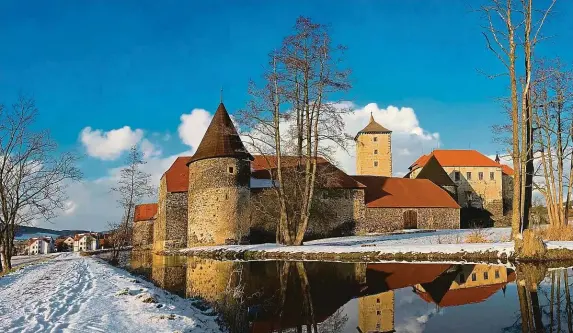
[(272, 296)]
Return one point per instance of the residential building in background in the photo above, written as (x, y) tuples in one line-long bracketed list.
[(40, 245), (86, 242)]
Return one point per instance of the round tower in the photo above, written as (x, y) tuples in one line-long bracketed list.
[(219, 191), (374, 150)]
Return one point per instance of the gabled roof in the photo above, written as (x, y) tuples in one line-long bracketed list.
[(177, 176), (507, 170), (334, 177), (145, 212), (433, 171), (373, 127), (389, 192), (221, 139), (453, 158)]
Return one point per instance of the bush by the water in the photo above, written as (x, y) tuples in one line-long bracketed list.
[(556, 233)]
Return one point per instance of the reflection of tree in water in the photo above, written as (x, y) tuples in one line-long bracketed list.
[(556, 315), (294, 281)]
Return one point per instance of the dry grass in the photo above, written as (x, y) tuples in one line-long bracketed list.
[(555, 233), (477, 236)]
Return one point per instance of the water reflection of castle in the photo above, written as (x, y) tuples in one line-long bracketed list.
[(264, 297)]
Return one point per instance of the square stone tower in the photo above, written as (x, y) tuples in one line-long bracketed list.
[(374, 150)]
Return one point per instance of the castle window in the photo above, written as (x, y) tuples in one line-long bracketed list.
[(491, 176), (378, 300), (485, 275), (378, 313), (375, 151), (474, 277), (480, 175), (462, 278), (375, 163), (375, 139), (457, 176), (469, 175), (231, 170), (497, 274)]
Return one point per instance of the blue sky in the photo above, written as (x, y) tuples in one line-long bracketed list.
[(109, 64)]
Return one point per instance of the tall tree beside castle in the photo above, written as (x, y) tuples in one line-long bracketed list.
[(33, 173), (293, 114), (512, 32), (133, 186)]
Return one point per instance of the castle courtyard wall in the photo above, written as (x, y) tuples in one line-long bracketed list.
[(143, 234), (336, 212), (391, 219), (170, 229)]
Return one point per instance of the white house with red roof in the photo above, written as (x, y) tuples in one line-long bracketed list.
[(480, 182), (86, 242), (40, 245)]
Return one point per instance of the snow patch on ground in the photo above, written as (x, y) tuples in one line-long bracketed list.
[(71, 293), (442, 241)]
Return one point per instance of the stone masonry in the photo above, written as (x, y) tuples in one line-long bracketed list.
[(218, 201), (143, 234), (390, 219), (374, 154), (170, 229)]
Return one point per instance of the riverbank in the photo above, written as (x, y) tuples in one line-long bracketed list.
[(73, 293), (442, 245)]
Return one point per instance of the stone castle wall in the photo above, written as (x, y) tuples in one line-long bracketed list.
[(335, 212), (170, 230), (391, 219), (369, 152), (142, 234), (218, 201)]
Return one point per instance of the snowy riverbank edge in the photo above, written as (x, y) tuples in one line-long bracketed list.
[(86, 293), (442, 245)]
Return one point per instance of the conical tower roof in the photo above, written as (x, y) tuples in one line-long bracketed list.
[(221, 139), (434, 171), (373, 127)]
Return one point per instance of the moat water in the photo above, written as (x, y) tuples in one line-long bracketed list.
[(279, 296)]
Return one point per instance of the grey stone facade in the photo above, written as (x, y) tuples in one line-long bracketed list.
[(143, 234), (218, 201), (170, 231), (391, 219)]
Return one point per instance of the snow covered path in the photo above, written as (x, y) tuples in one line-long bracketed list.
[(71, 293)]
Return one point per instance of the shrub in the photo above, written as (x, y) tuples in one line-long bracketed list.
[(556, 233), (477, 236)]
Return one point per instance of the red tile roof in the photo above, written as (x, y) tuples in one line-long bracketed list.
[(177, 176), (461, 296), (453, 158), (334, 177), (145, 212), (388, 192), (506, 169)]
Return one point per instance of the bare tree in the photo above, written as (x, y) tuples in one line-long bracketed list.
[(552, 91), (291, 114), (512, 33), (133, 186), (33, 173)]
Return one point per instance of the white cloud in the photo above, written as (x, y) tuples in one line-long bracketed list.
[(193, 126), (149, 149), (409, 139), (109, 145)]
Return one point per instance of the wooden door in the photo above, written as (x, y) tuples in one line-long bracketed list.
[(410, 219)]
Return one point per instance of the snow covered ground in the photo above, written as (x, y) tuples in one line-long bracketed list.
[(70, 293), (23, 260), (442, 241)]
